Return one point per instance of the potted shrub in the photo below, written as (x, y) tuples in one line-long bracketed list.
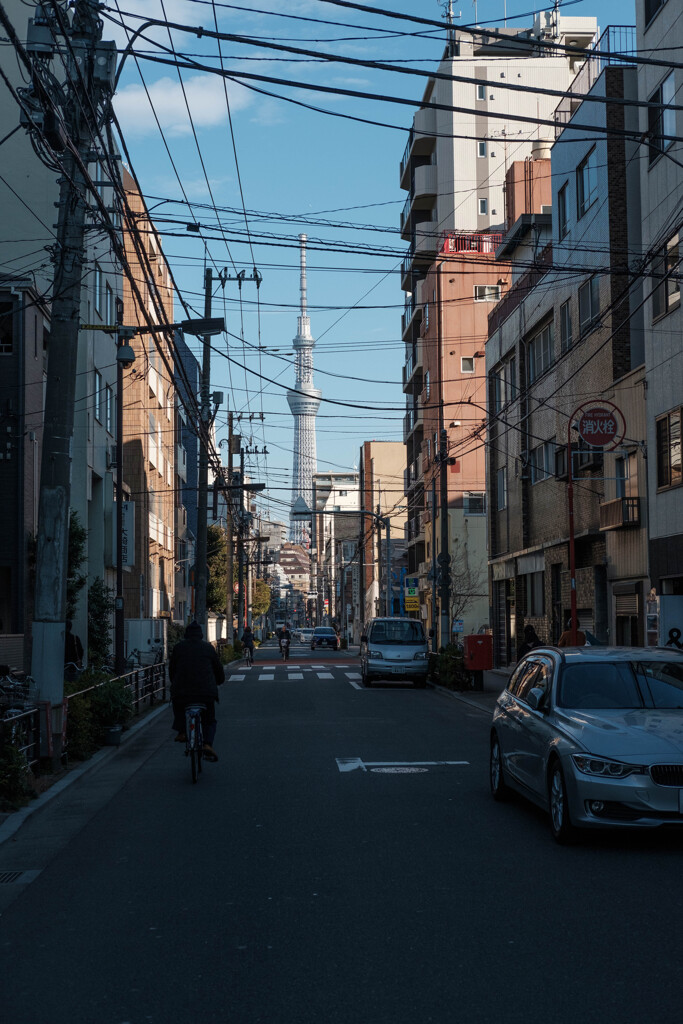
[(112, 708)]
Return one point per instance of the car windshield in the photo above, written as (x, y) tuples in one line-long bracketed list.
[(622, 684), (599, 685), (661, 682), (321, 631), (402, 631)]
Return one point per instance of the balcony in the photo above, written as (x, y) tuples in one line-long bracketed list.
[(421, 139), (412, 365), (614, 41), (425, 239), (405, 219), (181, 462), (424, 182), (621, 512), (412, 419)]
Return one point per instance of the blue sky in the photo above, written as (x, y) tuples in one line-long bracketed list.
[(293, 162)]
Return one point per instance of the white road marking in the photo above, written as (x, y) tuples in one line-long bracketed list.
[(324, 675), (349, 764), (295, 675), (236, 675), (264, 678), (355, 685), (353, 675)]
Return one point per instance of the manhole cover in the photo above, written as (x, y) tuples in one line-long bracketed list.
[(9, 876), (404, 770)]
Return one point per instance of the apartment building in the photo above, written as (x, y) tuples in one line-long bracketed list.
[(382, 482), (149, 427), (335, 499), (570, 332), (461, 287), (453, 169), (659, 26), (30, 201)]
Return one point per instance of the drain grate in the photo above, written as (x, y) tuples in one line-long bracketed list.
[(10, 876)]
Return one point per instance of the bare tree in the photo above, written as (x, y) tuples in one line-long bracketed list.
[(468, 583)]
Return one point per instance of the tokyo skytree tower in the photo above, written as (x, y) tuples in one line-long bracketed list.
[(304, 402)]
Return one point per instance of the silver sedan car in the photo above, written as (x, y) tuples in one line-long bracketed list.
[(594, 735)]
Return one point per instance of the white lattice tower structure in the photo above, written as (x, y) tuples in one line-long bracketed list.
[(304, 402)]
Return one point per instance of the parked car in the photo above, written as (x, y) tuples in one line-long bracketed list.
[(394, 647), (324, 636), (594, 735), (305, 635)]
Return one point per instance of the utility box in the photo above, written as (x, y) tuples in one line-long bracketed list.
[(478, 652)]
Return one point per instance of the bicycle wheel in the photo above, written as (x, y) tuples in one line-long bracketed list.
[(194, 764)]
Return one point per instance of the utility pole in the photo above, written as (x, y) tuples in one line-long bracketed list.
[(229, 602), (201, 567), (444, 558), (240, 550), (435, 644), (86, 88), (387, 524)]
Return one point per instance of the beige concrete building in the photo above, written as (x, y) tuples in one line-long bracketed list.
[(149, 429)]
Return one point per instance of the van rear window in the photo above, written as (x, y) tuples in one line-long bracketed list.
[(403, 631)]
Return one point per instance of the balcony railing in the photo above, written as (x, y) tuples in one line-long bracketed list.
[(614, 42), (462, 241), (620, 512)]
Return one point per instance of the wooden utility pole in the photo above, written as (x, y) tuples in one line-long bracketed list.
[(201, 566)]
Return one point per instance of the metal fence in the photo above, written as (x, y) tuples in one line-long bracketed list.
[(615, 46)]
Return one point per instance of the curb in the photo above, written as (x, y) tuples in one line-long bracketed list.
[(458, 696), (10, 827)]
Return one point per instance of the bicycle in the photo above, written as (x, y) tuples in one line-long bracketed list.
[(249, 656), (194, 743), (284, 647)]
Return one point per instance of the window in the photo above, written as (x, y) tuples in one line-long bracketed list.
[(661, 119), (427, 384), (542, 461), (481, 92), (535, 596), (562, 215), (667, 286), (6, 340), (540, 352), (98, 396), (487, 293), (589, 304), (627, 476), (474, 503), (565, 326), (425, 315), (109, 410), (502, 488), (109, 305), (483, 206), (651, 8), (481, 149), (504, 383), (98, 288), (586, 183), (669, 449), (343, 494), (467, 364), (429, 448)]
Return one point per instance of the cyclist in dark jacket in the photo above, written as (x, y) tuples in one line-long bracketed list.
[(195, 672)]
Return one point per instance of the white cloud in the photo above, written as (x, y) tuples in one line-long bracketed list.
[(205, 97)]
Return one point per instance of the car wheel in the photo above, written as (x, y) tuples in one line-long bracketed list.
[(499, 788), (560, 821), (365, 678)]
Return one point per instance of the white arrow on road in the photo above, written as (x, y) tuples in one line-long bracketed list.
[(350, 764)]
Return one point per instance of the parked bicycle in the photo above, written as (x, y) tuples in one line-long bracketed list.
[(194, 742)]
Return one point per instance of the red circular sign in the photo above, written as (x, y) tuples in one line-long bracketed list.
[(236, 588), (601, 425)]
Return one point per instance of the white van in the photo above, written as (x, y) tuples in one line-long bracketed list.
[(394, 648)]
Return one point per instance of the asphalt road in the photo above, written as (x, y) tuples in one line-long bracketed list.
[(301, 881)]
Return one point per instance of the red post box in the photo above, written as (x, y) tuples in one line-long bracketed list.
[(478, 656)]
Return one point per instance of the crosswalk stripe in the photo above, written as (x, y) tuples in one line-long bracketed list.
[(236, 676), (264, 678), (325, 675), (295, 675)]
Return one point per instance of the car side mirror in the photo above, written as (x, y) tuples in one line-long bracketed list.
[(364, 638), (536, 698)]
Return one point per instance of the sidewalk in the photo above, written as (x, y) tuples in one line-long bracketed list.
[(11, 821), (495, 681)]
